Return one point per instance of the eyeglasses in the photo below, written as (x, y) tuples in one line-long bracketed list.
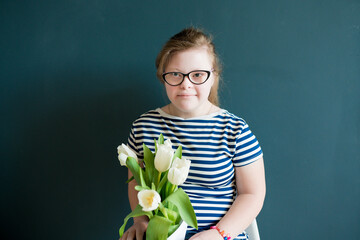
[(197, 77)]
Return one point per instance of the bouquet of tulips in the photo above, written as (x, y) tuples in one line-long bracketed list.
[(159, 196)]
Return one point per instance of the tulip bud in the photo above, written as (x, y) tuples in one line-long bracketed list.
[(149, 200), (168, 143), (179, 171), (125, 152), (164, 156)]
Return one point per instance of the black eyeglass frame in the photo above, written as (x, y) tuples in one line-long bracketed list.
[(188, 75)]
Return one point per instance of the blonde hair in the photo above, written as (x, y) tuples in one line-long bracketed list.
[(186, 39)]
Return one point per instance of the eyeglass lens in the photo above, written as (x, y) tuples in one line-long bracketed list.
[(197, 77)]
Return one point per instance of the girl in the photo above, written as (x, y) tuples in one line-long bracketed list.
[(226, 182)]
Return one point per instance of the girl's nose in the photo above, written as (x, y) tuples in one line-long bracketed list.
[(186, 83)]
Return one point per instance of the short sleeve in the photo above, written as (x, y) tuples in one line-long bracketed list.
[(247, 149), (132, 142)]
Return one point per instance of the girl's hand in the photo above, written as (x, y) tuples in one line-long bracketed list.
[(136, 231), (211, 234)]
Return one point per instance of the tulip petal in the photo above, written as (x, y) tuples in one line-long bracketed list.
[(168, 143), (149, 199), (128, 151), (179, 171), (124, 152), (122, 158), (163, 158)]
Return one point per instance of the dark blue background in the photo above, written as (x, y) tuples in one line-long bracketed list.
[(75, 74)]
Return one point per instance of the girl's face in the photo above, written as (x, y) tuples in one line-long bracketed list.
[(188, 99)]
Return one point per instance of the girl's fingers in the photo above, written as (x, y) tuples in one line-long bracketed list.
[(131, 235), (139, 235)]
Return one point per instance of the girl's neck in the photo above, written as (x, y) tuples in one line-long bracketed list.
[(172, 110)]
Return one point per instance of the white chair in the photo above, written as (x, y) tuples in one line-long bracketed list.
[(253, 231)]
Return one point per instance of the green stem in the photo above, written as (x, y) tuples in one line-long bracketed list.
[(173, 188), (158, 179)]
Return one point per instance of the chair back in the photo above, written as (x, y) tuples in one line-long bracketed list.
[(253, 231)]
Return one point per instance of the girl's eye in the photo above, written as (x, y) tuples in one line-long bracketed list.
[(197, 75), (175, 74)]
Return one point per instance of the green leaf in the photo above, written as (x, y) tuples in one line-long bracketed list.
[(150, 170), (135, 169), (173, 216), (169, 189), (130, 179), (161, 139), (139, 188), (163, 210), (155, 144), (158, 228), (142, 181), (178, 152), (173, 228), (181, 200), (136, 213)]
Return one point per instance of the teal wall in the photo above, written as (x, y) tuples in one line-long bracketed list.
[(75, 74)]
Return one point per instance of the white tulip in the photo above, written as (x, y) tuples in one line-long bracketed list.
[(179, 171), (164, 156), (149, 200), (125, 152), (168, 143)]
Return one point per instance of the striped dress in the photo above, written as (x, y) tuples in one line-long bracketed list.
[(215, 144)]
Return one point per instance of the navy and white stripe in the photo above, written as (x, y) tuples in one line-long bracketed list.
[(215, 144)]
